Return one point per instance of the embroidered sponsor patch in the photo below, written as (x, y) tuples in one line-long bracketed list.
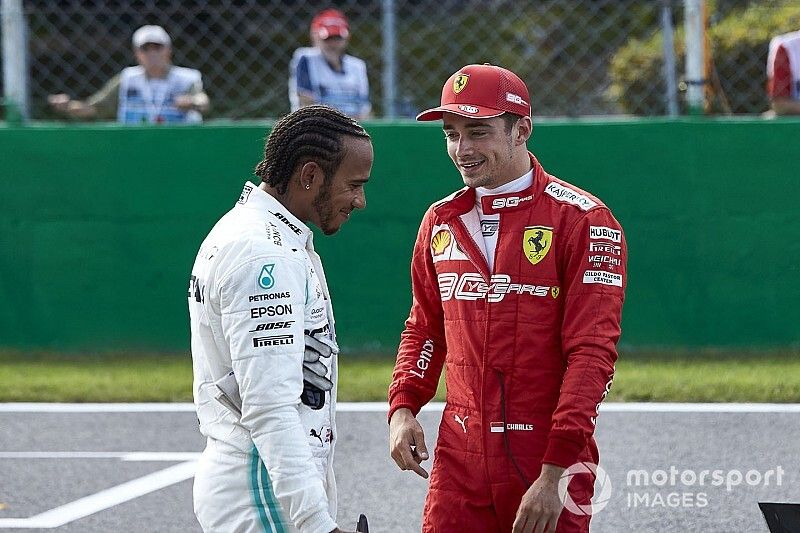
[(603, 277), (605, 248), (460, 83), (565, 194), (605, 233), (245, 193), (444, 246), (536, 241), (265, 279), (489, 227), (440, 242)]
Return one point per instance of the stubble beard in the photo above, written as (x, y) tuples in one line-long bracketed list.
[(322, 205)]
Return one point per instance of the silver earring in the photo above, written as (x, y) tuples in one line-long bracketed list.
[(308, 186)]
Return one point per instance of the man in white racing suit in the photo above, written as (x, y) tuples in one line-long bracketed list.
[(263, 339)]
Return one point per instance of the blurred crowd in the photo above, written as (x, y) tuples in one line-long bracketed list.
[(156, 91)]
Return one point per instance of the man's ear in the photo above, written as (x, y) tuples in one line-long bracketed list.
[(310, 175), (524, 130)]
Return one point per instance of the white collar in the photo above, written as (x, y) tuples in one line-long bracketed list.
[(517, 185), (253, 197)]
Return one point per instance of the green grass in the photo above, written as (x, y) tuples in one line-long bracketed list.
[(662, 376), (708, 376)]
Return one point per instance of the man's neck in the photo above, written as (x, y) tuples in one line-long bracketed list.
[(335, 62), (158, 73), (516, 170), (284, 199)]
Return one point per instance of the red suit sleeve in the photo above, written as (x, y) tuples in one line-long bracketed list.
[(780, 86), (422, 350), (594, 280)]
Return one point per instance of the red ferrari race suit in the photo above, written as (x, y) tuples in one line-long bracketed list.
[(529, 348)]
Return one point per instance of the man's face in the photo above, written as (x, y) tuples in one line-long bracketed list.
[(332, 47), (153, 56), (481, 149), (344, 192)]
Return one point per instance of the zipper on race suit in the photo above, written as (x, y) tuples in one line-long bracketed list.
[(470, 249), (506, 443)]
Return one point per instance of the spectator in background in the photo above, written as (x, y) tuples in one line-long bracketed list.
[(783, 74), (155, 91), (325, 74)]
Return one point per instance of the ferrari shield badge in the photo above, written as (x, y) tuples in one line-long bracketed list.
[(536, 243), (460, 83)]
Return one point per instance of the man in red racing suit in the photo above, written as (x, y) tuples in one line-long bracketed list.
[(526, 320)]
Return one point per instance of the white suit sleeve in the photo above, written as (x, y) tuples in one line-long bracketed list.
[(262, 305)]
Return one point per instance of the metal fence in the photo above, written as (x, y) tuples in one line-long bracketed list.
[(572, 53)]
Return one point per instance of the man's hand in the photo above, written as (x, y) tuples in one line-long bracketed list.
[(407, 442), (74, 108), (315, 381), (541, 506), (188, 102), (59, 102)]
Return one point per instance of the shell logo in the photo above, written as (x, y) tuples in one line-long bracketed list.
[(440, 242)]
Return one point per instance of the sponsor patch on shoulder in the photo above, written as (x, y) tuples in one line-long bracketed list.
[(603, 277), (248, 188), (444, 246), (565, 194), (604, 233)]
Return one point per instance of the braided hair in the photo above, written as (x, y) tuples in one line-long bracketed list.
[(312, 133)]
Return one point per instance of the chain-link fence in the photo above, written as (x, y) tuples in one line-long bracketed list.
[(579, 57)]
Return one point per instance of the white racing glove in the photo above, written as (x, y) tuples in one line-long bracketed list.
[(315, 382)]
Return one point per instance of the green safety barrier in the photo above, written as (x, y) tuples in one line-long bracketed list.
[(99, 227)]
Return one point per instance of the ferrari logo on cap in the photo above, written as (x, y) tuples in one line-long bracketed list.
[(460, 82), (536, 242), (554, 291)]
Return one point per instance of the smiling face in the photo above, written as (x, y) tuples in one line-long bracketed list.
[(344, 192), (484, 151)]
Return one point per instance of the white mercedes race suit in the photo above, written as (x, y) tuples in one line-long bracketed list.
[(256, 288)]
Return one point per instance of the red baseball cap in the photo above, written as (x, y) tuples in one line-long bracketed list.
[(482, 91), (330, 23)]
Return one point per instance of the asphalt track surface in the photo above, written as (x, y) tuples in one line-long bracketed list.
[(76, 468)]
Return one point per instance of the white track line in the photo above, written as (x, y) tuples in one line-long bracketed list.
[(123, 456), (96, 407), (381, 407), (104, 499)]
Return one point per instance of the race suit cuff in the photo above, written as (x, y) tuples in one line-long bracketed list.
[(319, 522), (402, 400), (562, 451)]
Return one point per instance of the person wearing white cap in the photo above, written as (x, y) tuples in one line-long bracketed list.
[(155, 91), (325, 74)]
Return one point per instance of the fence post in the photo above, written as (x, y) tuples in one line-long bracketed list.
[(669, 58), (389, 76), (695, 61), (15, 62)]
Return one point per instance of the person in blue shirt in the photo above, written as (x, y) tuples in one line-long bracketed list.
[(325, 74), (153, 92)]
